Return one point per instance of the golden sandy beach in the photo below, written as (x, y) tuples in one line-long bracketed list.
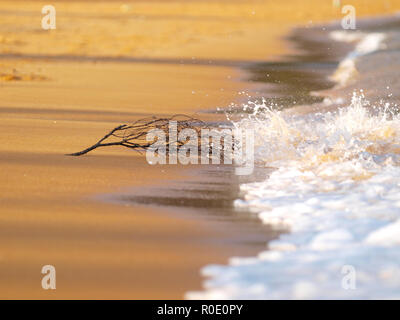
[(57, 95)]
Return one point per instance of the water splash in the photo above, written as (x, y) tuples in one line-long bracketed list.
[(336, 189)]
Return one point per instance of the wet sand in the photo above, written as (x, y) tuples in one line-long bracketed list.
[(49, 210)]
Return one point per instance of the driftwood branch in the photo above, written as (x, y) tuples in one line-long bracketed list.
[(133, 135)]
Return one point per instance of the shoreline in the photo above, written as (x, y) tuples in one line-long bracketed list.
[(305, 262)]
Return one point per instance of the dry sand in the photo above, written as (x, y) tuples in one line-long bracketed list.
[(51, 104)]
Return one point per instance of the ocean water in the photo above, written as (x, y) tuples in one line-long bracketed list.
[(334, 186)]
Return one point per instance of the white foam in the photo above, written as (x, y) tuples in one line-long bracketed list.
[(366, 43), (336, 189)]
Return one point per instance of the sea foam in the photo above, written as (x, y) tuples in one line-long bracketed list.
[(336, 190), (366, 43)]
